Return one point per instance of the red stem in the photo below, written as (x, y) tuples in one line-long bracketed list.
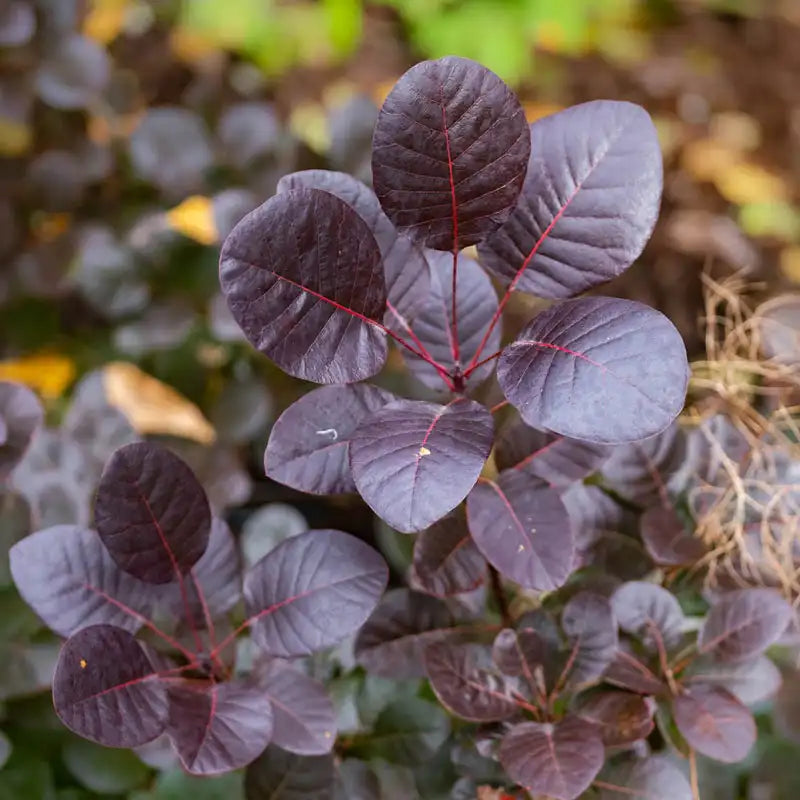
[(497, 407), (454, 343), (470, 369), (208, 618)]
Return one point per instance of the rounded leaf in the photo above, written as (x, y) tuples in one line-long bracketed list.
[(21, 414), (750, 682), (413, 461), (302, 275), (106, 690), (644, 610), (152, 513), (580, 358), (622, 717), (591, 630), (74, 73), (667, 540), (279, 775), (654, 776), (312, 591), (449, 153)]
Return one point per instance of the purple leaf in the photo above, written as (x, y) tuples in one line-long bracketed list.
[(105, 688), (68, 578), (413, 461), (218, 727), (627, 672), (312, 591), (449, 153), (522, 528), (302, 275), (558, 761), (589, 625), (750, 682), (622, 717), (463, 680), (305, 722), (743, 623), (446, 560), (580, 358), (714, 723), (278, 775), (589, 202), (151, 513), (649, 778), (554, 458), (667, 540), (404, 265), (392, 642), (521, 653), (309, 445), (433, 324), (594, 514), (21, 414), (645, 610)]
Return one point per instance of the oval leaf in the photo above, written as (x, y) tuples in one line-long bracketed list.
[(309, 444), (311, 591), (622, 717), (646, 611), (152, 513), (590, 627), (589, 203), (21, 414), (105, 688), (218, 727), (667, 540), (279, 775), (521, 653), (651, 777), (558, 761), (449, 153), (522, 528), (580, 358), (302, 276), (67, 577), (413, 462), (750, 682), (627, 672)]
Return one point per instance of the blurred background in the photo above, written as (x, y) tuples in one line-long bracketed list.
[(135, 133)]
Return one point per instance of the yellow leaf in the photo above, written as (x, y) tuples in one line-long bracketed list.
[(192, 47), (309, 123), (704, 159), (47, 374), (153, 407), (534, 111), (790, 263), (48, 227), (15, 138), (748, 183), (194, 217), (381, 91), (736, 129), (105, 20)]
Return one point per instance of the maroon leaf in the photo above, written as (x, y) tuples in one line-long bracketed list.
[(642, 609), (594, 514), (462, 678), (434, 322), (302, 275), (521, 653), (68, 578), (218, 727), (105, 688), (151, 513), (278, 775), (311, 591), (750, 682), (309, 445), (305, 722), (667, 540), (392, 642), (449, 153), (413, 461), (651, 778), (714, 723), (580, 358), (558, 761), (446, 561), (589, 202), (21, 414), (622, 717), (404, 265), (743, 623), (627, 672), (522, 528), (591, 630)]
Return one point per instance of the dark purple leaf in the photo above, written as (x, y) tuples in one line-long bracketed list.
[(218, 727), (589, 202), (302, 275), (413, 461), (17, 23), (463, 680), (404, 265), (651, 778), (446, 561), (522, 528), (554, 458), (743, 623), (642, 609), (309, 444), (152, 513), (73, 74), (21, 415), (449, 153), (558, 761), (628, 672), (311, 591), (305, 722), (778, 323), (392, 642), (522, 653), (580, 358), (667, 540), (714, 723), (278, 775), (433, 325), (750, 681), (591, 630), (594, 515), (105, 688), (622, 717), (67, 577)]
